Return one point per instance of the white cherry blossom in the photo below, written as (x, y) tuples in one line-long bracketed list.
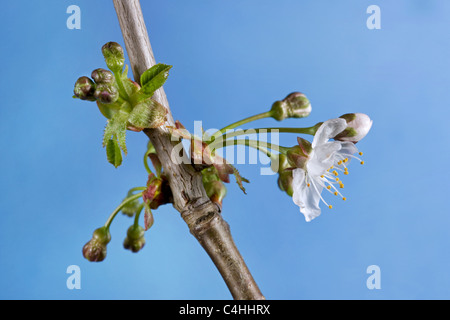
[(322, 168)]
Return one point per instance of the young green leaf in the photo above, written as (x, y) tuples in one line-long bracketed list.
[(117, 127), (154, 78), (113, 153), (148, 114)]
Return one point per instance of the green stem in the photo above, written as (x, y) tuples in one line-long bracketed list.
[(138, 214), (116, 211), (310, 130), (243, 121), (149, 171), (137, 189), (122, 92), (259, 145)]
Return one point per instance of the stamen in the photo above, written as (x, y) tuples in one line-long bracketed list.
[(360, 153), (330, 206), (351, 156), (314, 185), (344, 198)]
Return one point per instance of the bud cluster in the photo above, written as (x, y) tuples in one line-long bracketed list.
[(103, 89)]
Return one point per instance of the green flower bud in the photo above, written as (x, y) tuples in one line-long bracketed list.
[(281, 164), (134, 240), (95, 249), (285, 182), (106, 93), (102, 76), (216, 191), (84, 89), (131, 208), (298, 155), (214, 187), (114, 57), (295, 105)]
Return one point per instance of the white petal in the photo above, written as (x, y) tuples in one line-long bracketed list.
[(307, 198), (329, 129), (322, 158), (362, 123), (348, 147)]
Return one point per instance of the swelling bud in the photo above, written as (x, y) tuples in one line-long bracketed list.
[(114, 57), (102, 76), (295, 105), (358, 125), (106, 93), (95, 249), (134, 240), (84, 89)]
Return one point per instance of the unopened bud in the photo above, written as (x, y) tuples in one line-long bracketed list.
[(281, 164), (134, 240), (216, 191), (84, 89), (358, 125), (102, 76), (295, 105), (114, 57), (298, 155), (285, 179), (95, 249), (106, 93)]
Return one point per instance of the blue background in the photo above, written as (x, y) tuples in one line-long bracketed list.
[(231, 59)]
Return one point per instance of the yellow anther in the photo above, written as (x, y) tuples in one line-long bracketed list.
[(346, 159), (341, 185), (337, 179), (344, 198), (328, 187), (330, 206), (335, 173), (345, 172), (339, 162), (335, 193), (360, 153), (308, 185), (321, 176), (362, 162)]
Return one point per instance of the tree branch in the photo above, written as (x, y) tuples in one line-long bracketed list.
[(201, 215)]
